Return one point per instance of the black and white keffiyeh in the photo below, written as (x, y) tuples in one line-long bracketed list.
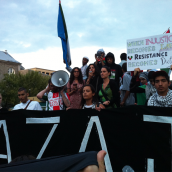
[(161, 101), (150, 90)]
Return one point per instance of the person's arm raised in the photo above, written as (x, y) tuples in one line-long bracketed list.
[(41, 93), (65, 99)]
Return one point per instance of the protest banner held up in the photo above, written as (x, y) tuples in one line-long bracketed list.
[(135, 136), (152, 52)]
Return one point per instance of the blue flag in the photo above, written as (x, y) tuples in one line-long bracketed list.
[(62, 33)]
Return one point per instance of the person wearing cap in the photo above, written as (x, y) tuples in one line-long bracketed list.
[(139, 90), (163, 96), (84, 67), (123, 58), (100, 58)]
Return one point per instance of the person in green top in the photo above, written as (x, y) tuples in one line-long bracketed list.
[(108, 91), (136, 88)]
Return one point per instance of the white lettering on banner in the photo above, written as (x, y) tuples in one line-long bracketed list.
[(8, 156), (101, 137), (157, 50), (159, 119), (150, 165), (44, 121)]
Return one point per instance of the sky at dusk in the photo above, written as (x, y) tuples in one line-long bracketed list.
[(29, 28)]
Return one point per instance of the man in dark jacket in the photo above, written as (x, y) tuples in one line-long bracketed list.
[(116, 70)]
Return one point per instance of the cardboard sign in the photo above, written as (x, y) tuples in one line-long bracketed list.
[(152, 52)]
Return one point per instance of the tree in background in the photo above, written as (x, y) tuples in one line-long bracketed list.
[(33, 81)]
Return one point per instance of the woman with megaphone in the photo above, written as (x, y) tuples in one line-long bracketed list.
[(74, 88)]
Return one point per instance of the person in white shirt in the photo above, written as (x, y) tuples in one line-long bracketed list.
[(25, 102), (123, 58), (83, 68)]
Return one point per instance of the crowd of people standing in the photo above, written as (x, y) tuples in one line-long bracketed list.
[(104, 85)]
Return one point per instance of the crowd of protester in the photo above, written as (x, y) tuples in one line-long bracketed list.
[(103, 85)]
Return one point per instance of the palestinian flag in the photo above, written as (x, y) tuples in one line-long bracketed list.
[(62, 33), (168, 31)]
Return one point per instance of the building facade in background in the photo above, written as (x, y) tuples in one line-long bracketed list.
[(40, 70), (8, 64)]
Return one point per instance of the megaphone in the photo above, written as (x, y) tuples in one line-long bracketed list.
[(60, 78)]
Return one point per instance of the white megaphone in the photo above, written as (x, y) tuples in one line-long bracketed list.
[(60, 78)]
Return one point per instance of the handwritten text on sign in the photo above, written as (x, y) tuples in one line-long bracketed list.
[(152, 52)]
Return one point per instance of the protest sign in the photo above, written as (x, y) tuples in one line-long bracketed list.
[(151, 52)]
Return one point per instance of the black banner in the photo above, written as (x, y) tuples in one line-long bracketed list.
[(137, 136)]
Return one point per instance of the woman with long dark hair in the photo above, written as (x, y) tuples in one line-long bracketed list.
[(89, 100), (108, 91), (93, 76), (74, 88)]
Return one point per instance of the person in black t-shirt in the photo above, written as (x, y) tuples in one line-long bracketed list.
[(116, 70)]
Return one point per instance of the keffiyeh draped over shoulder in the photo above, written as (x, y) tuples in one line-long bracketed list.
[(161, 101), (150, 90)]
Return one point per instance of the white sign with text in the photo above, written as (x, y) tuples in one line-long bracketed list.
[(152, 52)]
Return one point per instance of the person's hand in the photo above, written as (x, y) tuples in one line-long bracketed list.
[(80, 89), (96, 58), (171, 67), (68, 108), (48, 88), (100, 107), (90, 74), (136, 70), (62, 90), (106, 103), (122, 103)]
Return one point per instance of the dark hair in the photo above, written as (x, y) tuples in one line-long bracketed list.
[(123, 56), (107, 68), (161, 73), (80, 79), (22, 89), (93, 91), (97, 71), (150, 75), (23, 158), (124, 67)]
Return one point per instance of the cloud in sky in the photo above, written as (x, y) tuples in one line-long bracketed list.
[(30, 27)]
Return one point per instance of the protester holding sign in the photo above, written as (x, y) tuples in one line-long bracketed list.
[(150, 88), (89, 100), (108, 91), (139, 90), (93, 76), (74, 88), (25, 102), (163, 96)]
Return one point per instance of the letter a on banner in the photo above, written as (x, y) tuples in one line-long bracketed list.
[(101, 137), (8, 156)]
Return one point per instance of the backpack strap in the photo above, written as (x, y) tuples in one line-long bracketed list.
[(27, 105)]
